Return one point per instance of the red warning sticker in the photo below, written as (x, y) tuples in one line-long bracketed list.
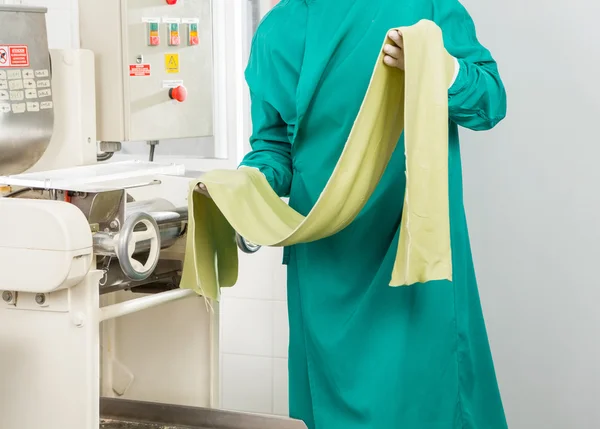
[(19, 56), (137, 70), (16, 56), (3, 56)]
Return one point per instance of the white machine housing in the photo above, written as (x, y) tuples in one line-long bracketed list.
[(51, 236)]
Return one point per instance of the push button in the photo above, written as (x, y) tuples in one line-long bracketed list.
[(153, 35), (174, 39), (193, 38), (178, 93)]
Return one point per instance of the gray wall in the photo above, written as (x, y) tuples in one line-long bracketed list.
[(533, 202)]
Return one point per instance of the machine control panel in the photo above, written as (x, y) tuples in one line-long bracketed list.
[(165, 68), (25, 90)]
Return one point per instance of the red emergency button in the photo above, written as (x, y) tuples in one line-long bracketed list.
[(171, 2), (179, 93)]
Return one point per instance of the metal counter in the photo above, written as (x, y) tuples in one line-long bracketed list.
[(125, 414)]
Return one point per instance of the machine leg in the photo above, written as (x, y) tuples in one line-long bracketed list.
[(49, 355)]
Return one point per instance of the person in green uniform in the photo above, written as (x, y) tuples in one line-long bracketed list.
[(363, 354)]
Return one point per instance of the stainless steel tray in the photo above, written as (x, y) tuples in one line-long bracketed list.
[(125, 414)]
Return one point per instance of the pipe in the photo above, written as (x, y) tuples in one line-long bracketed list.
[(152, 144), (139, 304)]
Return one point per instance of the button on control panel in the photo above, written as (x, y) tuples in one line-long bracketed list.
[(193, 38), (174, 39), (153, 33)]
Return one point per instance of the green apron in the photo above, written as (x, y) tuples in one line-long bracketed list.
[(363, 354)]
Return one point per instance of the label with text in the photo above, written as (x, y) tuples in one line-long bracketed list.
[(19, 108), (33, 106), (14, 74), (171, 83), (14, 56), (138, 70)]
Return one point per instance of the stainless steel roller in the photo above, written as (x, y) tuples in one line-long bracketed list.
[(171, 223), (149, 226)]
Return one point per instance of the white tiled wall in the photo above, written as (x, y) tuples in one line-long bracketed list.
[(254, 337), (254, 325)]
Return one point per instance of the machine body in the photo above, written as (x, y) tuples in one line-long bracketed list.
[(91, 254)]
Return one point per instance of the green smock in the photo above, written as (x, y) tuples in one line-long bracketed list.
[(363, 354)]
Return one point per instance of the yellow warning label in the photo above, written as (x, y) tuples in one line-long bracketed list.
[(172, 63)]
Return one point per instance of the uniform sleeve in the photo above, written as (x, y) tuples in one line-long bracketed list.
[(477, 98), (272, 76), (271, 149)]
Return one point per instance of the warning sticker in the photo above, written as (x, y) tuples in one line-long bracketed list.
[(138, 70), (14, 56), (172, 83), (19, 56), (172, 63)]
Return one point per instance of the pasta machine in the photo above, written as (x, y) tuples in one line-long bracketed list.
[(96, 332)]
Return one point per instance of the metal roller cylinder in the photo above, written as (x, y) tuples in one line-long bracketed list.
[(171, 223), (171, 220)]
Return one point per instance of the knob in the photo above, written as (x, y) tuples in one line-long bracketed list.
[(179, 93), (171, 2)]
